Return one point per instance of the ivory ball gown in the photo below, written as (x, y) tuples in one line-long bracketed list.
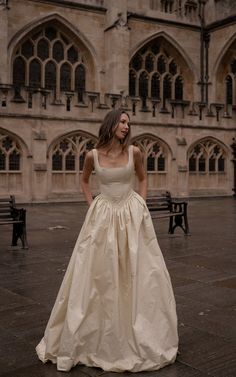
[(115, 308)]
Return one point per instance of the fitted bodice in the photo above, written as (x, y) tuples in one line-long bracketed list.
[(115, 183)]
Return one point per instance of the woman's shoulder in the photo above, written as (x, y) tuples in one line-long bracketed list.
[(136, 151), (90, 156)]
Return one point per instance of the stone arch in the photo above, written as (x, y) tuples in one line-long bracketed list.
[(14, 164), (173, 44), (222, 53), (89, 52), (173, 51), (222, 69), (225, 147), (208, 167), (21, 141)]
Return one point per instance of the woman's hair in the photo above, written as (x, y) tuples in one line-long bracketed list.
[(108, 129)]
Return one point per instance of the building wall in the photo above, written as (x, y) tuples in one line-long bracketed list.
[(45, 132)]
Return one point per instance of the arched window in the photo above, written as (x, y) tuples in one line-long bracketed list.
[(10, 154), (69, 153), (229, 82), (207, 157), (152, 67), (154, 154), (49, 58)]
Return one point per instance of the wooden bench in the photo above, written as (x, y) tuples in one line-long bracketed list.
[(163, 206), (9, 214)]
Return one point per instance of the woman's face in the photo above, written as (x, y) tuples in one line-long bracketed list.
[(122, 128)]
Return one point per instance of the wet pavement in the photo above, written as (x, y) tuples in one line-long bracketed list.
[(202, 268)]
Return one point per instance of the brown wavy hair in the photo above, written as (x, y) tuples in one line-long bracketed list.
[(108, 128)]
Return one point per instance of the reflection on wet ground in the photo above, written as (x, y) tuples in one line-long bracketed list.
[(202, 268)]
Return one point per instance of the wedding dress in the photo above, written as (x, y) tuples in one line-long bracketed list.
[(115, 308)]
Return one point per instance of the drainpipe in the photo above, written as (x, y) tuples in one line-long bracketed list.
[(207, 42), (233, 147), (202, 54)]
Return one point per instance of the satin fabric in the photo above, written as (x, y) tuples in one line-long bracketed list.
[(115, 308)]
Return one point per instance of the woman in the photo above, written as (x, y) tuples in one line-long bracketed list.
[(115, 308)]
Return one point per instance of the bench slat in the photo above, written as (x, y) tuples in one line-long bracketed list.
[(10, 222)]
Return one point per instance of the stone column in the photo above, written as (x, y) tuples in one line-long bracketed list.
[(3, 41), (117, 47)]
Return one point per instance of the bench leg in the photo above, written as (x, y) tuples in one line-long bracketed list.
[(19, 232), (171, 228), (186, 226)]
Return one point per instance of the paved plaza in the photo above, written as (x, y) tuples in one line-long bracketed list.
[(202, 268)]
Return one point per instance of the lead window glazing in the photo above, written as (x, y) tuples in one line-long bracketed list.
[(50, 59)]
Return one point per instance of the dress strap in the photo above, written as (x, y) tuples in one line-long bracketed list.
[(95, 158), (131, 155)]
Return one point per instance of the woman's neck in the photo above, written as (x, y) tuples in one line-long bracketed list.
[(114, 148)]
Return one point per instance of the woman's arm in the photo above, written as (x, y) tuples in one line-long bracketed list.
[(87, 170), (138, 164)]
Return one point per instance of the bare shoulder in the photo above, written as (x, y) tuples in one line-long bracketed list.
[(137, 153), (89, 160), (89, 155)]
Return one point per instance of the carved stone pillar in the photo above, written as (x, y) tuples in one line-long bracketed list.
[(117, 48), (3, 41)]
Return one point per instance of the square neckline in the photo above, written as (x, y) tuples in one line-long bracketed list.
[(115, 167)]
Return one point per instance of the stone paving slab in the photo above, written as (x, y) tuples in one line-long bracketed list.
[(202, 268)]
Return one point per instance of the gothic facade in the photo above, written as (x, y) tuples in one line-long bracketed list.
[(171, 64)]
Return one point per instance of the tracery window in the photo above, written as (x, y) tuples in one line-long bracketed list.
[(151, 69), (207, 157), (154, 154), (10, 154), (230, 83), (50, 59), (69, 153)]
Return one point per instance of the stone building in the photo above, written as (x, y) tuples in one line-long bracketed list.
[(63, 64)]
